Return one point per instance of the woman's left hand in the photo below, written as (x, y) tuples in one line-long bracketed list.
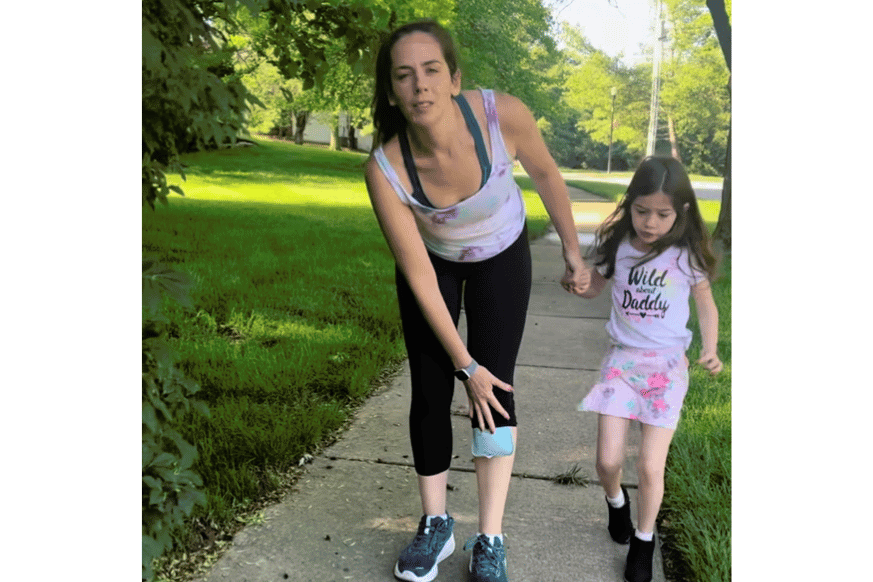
[(577, 276)]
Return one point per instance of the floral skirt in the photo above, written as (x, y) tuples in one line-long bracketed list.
[(641, 384)]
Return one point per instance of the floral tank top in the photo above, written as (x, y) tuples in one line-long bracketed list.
[(484, 224)]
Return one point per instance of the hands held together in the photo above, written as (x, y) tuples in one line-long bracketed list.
[(577, 276)]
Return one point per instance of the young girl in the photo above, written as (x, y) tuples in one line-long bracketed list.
[(657, 250)]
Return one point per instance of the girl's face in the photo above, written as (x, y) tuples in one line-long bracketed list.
[(652, 217), (421, 83)]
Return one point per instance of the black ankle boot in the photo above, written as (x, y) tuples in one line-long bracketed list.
[(639, 560), (620, 527)]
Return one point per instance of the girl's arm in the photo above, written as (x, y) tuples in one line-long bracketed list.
[(707, 316), (520, 130), (598, 282), (398, 225)]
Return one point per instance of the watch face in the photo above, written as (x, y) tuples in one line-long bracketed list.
[(462, 375)]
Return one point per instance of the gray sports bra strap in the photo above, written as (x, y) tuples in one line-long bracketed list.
[(481, 153), (473, 126)]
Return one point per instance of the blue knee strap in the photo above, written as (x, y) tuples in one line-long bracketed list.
[(499, 444)]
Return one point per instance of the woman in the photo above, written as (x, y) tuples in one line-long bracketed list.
[(440, 181)]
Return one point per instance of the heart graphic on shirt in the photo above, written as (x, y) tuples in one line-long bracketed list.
[(642, 313)]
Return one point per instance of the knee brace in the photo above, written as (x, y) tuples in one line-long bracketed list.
[(499, 444)]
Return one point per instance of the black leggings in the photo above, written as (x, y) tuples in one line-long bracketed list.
[(495, 294)]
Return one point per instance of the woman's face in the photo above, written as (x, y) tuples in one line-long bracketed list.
[(421, 83)]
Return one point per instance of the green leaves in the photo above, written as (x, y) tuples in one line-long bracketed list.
[(507, 45), (193, 99), (154, 181), (694, 90), (170, 487), (300, 35), (188, 101), (693, 96), (158, 281)]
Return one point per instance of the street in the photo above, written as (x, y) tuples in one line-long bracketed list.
[(703, 190)]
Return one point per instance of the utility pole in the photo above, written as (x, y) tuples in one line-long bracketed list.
[(612, 92), (658, 50)]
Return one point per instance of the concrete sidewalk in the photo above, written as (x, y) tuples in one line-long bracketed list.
[(357, 506)]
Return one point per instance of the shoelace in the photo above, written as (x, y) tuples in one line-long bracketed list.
[(488, 558), (424, 540)]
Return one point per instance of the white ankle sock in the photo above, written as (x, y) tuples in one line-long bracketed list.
[(491, 538), (430, 517), (616, 502), (646, 537)]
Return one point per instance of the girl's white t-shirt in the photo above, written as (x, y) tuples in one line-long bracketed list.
[(650, 302)]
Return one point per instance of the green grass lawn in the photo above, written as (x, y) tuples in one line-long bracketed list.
[(695, 519), (295, 311), (295, 320)]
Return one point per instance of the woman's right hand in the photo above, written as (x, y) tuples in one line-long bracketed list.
[(480, 392)]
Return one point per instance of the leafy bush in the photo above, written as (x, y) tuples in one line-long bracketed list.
[(169, 486), (192, 98), (187, 102)]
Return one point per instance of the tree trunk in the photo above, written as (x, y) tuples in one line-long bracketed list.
[(300, 126), (353, 140), (723, 32), (335, 135), (674, 145), (722, 232), (722, 28)]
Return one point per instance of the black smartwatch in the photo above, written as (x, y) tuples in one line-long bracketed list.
[(466, 373)]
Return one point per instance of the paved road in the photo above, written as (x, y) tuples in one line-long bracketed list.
[(707, 191), (703, 190)]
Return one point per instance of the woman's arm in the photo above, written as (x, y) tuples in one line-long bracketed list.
[(521, 134), (398, 225), (707, 316)]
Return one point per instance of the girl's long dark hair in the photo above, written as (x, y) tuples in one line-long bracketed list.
[(388, 121), (658, 174)]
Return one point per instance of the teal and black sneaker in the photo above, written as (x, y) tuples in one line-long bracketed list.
[(433, 543), (488, 562)]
